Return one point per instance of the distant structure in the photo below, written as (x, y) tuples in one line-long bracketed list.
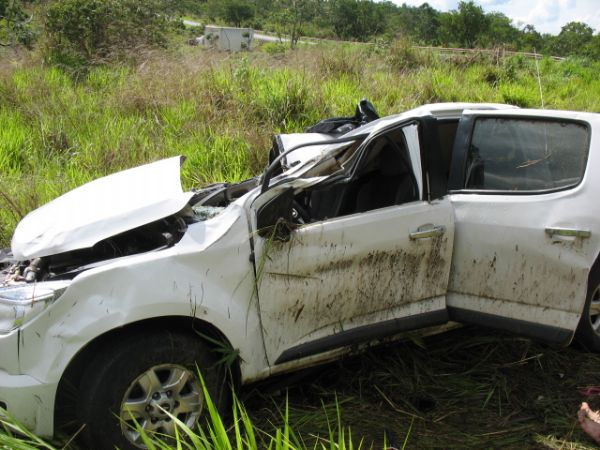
[(227, 38)]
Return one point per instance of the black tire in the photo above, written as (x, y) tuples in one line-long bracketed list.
[(588, 331), (117, 380)]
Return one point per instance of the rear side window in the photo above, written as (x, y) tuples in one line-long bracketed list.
[(526, 155)]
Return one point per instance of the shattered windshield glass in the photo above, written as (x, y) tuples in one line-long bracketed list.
[(203, 213)]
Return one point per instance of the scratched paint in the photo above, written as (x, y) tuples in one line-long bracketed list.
[(502, 252), (335, 273)]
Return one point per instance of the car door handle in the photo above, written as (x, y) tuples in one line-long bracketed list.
[(427, 231), (567, 233)]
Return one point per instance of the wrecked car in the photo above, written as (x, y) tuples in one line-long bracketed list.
[(358, 232)]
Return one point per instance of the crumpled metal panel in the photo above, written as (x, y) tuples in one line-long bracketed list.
[(102, 208)]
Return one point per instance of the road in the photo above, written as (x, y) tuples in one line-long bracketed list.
[(258, 36)]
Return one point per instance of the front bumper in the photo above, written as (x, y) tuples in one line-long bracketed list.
[(29, 402)]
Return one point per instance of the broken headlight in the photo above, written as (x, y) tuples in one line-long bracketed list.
[(19, 304)]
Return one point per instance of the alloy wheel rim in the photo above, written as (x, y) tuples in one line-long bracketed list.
[(158, 395)]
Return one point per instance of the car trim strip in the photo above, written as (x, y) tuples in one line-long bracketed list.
[(543, 333), (363, 334)]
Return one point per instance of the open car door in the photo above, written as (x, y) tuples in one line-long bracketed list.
[(523, 247), (365, 256)]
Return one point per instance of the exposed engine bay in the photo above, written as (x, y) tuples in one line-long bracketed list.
[(158, 235)]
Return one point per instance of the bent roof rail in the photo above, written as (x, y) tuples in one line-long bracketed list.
[(269, 171)]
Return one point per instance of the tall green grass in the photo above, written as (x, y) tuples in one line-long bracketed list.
[(214, 433), (221, 109)]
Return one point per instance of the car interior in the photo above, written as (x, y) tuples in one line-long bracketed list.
[(380, 177)]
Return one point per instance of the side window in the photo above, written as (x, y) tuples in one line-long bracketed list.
[(526, 155), (383, 177)]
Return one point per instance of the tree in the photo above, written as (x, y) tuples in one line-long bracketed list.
[(356, 19), (233, 12), (500, 31), (530, 40), (292, 15), (237, 12), (14, 27), (428, 20), (82, 32), (573, 39), (420, 23), (465, 26)]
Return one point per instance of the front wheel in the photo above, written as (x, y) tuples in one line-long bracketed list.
[(588, 331), (143, 382)]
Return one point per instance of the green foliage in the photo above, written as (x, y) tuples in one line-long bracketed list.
[(500, 31), (421, 24), (237, 11), (465, 26), (356, 19), (369, 20), (14, 26), (274, 48), (233, 12), (530, 40), (401, 55), (213, 433), (573, 39), (84, 32), (290, 16)]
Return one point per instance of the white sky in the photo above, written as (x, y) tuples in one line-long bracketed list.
[(548, 16)]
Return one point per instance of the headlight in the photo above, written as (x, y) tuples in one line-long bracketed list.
[(19, 304)]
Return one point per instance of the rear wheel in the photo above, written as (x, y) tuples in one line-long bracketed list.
[(588, 331), (143, 382)]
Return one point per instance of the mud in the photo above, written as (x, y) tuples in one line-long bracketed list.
[(340, 286)]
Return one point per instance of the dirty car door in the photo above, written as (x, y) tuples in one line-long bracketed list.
[(372, 261), (524, 213)]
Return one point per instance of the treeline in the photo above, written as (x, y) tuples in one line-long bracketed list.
[(468, 26), (78, 31)]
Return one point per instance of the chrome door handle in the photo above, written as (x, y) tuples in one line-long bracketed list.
[(427, 231), (567, 232)]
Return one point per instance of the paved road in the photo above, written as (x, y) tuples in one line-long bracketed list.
[(257, 36)]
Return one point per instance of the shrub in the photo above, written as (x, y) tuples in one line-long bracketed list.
[(403, 56), (274, 48), (14, 24), (84, 32)]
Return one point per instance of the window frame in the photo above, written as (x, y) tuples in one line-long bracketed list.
[(361, 154), (462, 145)]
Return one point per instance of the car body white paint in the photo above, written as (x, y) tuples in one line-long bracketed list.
[(209, 274), (548, 277), (102, 208)]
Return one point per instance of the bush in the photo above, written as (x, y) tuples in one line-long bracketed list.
[(85, 32), (274, 48), (14, 25), (403, 56)]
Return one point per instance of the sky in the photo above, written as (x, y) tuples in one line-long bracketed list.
[(548, 16)]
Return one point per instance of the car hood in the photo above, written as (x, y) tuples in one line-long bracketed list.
[(102, 208)]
